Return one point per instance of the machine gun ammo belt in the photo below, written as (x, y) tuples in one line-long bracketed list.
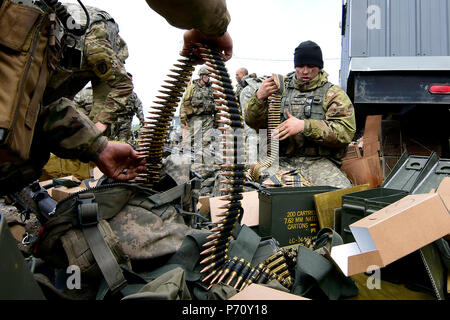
[(274, 120), (231, 124)]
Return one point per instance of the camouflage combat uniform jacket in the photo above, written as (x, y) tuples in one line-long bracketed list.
[(104, 54), (198, 101), (66, 132), (121, 129), (62, 130)]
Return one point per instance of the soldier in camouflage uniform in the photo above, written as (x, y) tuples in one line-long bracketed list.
[(63, 130), (241, 75), (134, 107), (318, 120), (197, 115), (249, 87), (104, 53), (67, 133), (122, 127), (83, 100)]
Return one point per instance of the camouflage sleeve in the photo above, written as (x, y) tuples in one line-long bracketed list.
[(114, 86), (339, 126), (256, 113), (186, 105), (70, 134), (139, 110), (210, 17)]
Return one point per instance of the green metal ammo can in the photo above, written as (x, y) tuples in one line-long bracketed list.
[(289, 214)]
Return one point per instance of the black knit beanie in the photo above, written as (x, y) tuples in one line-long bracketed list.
[(308, 52)]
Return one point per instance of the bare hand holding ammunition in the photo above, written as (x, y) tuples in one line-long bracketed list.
[(290, 127), (224, 44)]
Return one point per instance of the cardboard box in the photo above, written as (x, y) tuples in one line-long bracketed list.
[(259, 292), (45, 183), (250, 204), (61, 193), (50, 190), (395, 231), (203, 204)]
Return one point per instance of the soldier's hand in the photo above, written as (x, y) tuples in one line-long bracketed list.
[(267, 88), (223, 44), (290, 127), (120, 162)]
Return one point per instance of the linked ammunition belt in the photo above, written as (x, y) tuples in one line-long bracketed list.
[(156, 129), (240, 273), (274, 120), (231, 124)]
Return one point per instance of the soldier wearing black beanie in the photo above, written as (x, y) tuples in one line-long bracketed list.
[(308, 52)]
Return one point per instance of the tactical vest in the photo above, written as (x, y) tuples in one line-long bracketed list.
[(95, 15), (63, 82), (202, 99), (306, 105), (30, 50)]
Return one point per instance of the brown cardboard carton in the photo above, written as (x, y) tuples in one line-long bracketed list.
[(395, 231), (203, 204), (259, 292), (96, 173), (51, 190), (250, 204), (45, 183), (60, 193)]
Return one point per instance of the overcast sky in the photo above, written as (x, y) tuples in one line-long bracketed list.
[(264, 32)]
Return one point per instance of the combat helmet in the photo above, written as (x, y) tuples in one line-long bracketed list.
[(203, 70)]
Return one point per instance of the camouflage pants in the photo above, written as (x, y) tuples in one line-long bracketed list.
[(316, 171), (202, 140), (123, 129)]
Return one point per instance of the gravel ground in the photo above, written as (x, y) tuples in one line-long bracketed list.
[(13, 217)]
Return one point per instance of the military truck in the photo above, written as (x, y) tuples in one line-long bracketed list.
[(395, 61)]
